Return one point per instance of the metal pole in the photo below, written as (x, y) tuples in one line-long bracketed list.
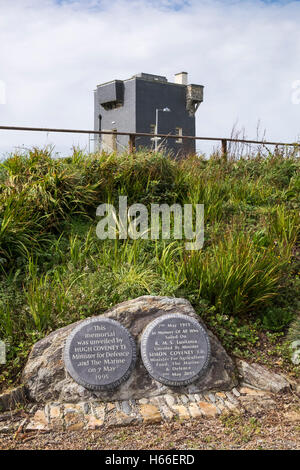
[(131, 143), (156, 130)]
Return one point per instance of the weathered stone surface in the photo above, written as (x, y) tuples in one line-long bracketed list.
[(99, 412), (259, 377), (235, 392), (46, 379), (221, 396), (118, 418), (110, 407), (181, 411), (231, 407), (256, 405), (143, 401), (94, 423), (74, 422), (212, 398), (231, 398), (251, 391), (209, 410), (170, 400), (73, 417), (184, 399), (126, 408), (39, 422), (55, 412), (195, 411), (165, 410)]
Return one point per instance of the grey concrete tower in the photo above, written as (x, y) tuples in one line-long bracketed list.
[(138, 104)]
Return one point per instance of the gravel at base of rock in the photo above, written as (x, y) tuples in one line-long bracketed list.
[(46, 379), (276, 428), (95, 415)]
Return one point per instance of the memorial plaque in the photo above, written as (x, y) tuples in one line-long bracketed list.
[(175, 349), (100, 354)]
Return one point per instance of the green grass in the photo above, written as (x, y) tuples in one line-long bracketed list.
[(244, 282)]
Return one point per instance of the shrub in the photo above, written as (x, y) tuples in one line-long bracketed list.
[(235, 275)]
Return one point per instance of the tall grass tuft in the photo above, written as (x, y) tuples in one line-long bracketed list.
[(234, 275)]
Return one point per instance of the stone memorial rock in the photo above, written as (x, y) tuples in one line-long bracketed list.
[(100, 354), (175, 349), (47, 377)]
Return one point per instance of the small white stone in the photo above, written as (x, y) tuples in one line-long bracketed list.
[(231, 398), (197, 397), (86, 408), (166, 412), (33, 409), (191, 398), (230, 406), (126, 408), (212, 397), (143, 401), (170, 400), (184, 399)]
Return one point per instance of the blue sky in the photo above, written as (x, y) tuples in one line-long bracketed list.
[(246, 54)]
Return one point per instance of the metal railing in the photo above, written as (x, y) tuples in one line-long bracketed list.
[(133, 135)]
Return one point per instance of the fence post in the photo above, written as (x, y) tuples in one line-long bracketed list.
[(131, 143), (224, 149)]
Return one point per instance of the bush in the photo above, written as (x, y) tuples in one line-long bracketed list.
[(235, 275)]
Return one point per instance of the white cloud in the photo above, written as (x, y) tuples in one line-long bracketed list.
[(52, 55)]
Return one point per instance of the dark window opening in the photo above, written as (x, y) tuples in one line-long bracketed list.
[(112, 105)]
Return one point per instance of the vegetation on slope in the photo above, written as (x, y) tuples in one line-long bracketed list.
[(54, 270)]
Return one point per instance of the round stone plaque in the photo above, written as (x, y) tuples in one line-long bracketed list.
[(175, 349), (100, 354)]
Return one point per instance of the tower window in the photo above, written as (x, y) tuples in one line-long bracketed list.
[(112, 105)]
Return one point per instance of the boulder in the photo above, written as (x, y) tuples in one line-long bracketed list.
[(12, 398), (45, 377), (259, 377)]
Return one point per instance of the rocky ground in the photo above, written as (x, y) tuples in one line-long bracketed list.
[(258, 427)]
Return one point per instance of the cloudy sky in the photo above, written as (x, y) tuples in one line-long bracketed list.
[(53, 54)]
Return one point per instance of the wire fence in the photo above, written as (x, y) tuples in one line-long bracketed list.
[(132, 136)]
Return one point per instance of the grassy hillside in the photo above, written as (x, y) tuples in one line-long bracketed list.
[(54, 270)]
